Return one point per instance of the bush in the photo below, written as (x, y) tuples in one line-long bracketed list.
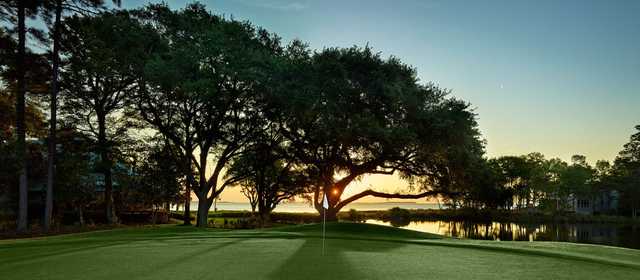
[(399, 217), (354, 216), (234, 223)]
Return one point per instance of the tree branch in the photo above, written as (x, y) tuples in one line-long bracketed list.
[(389, 195)]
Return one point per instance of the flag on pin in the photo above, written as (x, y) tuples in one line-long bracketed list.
[(325, 202), (325, 206)]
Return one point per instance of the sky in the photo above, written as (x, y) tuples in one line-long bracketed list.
[(556, 77)]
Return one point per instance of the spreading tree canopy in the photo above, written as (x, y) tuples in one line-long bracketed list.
[(103, 54), (346, 113), (198, 91)]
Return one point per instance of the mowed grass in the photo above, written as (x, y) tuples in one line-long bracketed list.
[(352, 251)]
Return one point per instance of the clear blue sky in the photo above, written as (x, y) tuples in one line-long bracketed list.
[(557, 77)]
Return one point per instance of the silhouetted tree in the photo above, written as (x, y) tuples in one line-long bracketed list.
[(35, 67), (99, 80), (198, 91), (76, 181), (348, 113), (251, 194), (16, 12), (626, 174), (53, 14), (486, 186), (10, 166), (158, 174), (527, 176), (578, 176), (269, 176)]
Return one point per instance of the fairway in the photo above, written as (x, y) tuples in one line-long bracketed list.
[(353, 251)]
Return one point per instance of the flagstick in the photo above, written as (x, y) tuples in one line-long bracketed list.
[(324, 222)]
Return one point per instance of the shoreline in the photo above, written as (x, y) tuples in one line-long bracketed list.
[(469, 215)]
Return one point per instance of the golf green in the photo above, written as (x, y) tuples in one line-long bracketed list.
[(352, 251)]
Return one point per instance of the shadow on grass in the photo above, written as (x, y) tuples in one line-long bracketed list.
[(57, 252), (308, 262), (191, 255)]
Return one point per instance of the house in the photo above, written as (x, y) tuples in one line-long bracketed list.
[(602, 202)]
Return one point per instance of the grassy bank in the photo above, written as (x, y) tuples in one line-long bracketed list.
[(353, 251)]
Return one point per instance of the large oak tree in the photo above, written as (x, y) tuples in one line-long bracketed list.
[(99, 79), (198, 92), (347, 113)]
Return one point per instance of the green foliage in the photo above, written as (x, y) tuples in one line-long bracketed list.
[(75, 183), (262, 171), (349, 112), (278, 120), (158, 177), (399, 217), (354, 216), (8, 180), (487, 187), (99, 78), (34, 120), (36, 67), (199, 89), (100, 74), (625, 175), (577, 177)]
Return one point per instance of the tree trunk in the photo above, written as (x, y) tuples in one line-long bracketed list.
[(332, 214), (106, 166), (203, 191), (108, 193), (265, 216), (81, 215), (154, 215), (186, 216), (51, 155), (333, 192), (20, 122), (253, 206), (264, 207), (203, 211)]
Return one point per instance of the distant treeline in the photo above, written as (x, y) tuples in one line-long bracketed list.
[(555, 186)]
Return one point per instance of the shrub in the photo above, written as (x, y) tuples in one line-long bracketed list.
[(355, 216), (399, 217)]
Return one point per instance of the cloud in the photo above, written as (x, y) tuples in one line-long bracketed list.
[(277, 4)]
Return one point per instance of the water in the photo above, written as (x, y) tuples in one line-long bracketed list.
[(303, 207), (594, 233)]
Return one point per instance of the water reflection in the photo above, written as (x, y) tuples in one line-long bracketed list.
[(608, 234)]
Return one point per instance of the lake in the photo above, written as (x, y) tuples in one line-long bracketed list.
[(595, 233)]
